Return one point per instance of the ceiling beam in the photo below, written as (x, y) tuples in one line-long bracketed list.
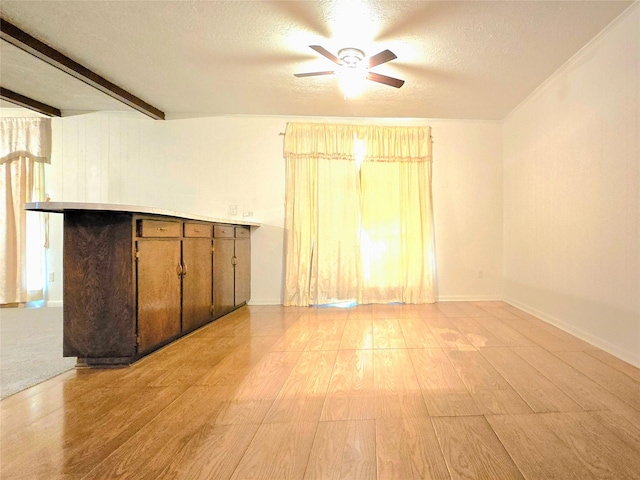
[(29, 103), (44, 52)]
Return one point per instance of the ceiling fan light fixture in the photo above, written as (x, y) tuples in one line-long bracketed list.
[(351, 80), (352, 72)]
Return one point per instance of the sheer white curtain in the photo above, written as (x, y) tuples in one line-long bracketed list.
[(359, 221), (25, 145)]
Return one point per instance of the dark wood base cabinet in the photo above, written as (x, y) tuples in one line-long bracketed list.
[(232, 267), (135, 282)]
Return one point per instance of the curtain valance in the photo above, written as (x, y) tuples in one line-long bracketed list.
[(25, 137), (368, 143)]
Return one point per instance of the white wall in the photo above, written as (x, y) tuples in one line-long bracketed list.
[(87, 151), (572, 194), (467, 198), (203, 165)]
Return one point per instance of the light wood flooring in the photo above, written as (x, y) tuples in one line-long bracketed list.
[(474, 390)]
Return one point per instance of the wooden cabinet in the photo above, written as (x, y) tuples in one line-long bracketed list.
[(223, 271), (158, 283), (197, 276), (159, 228), (242, 265), (231, 268), (133, 283), (99, 307)]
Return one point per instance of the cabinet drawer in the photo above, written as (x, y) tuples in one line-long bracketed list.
[(223, 231), (159, 228), (243, 232), (197, 230)]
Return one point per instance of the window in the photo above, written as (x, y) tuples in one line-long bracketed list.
[(25, 145), (358, 214)]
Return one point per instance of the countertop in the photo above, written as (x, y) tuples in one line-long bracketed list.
[(61, 207)]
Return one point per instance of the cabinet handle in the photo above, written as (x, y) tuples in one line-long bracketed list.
[(197, 230), (234, 260), (184, 269), (162, 229), (179, 270)]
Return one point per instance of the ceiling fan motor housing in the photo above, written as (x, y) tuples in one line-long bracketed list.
[(350, 57)]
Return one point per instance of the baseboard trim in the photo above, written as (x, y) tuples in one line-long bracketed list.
[(630, 357), (54, 303), (444, 298), (469, 298), (264, 301)]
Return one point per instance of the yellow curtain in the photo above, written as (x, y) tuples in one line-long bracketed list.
[(396, 233), (321, 263), (25, 143), (334, 274), (358, 214), (300, 227)]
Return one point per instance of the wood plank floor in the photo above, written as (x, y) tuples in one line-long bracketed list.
[(459, 390)]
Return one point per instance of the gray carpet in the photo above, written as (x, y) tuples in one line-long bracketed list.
[(30, 347)]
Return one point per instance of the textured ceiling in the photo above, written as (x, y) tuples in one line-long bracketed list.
[(466, 60)]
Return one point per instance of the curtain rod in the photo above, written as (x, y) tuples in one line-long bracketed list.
[(282, 134)]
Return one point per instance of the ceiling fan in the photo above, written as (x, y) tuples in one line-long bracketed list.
[(354, 60)]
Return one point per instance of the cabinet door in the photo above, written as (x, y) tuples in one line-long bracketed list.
[(243, 271), (158, 286), (223, 282), (196, 282)]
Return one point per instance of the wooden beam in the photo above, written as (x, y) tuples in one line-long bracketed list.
[(44, 52), (29, 103)]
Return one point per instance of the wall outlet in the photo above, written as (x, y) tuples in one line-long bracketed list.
[(247, 214), (52, 277), (233, 209)]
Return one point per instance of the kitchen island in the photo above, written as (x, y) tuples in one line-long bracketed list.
[(137, 278)]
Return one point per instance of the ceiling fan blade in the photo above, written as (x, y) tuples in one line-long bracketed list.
[(380, 58), (392, 82), (313, 74), (326, 53)]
